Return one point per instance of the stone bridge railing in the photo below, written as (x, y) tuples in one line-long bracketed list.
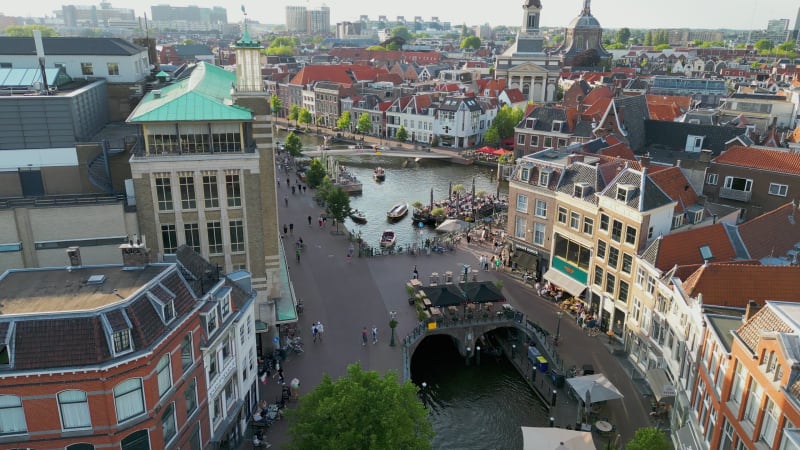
[(532, 330)]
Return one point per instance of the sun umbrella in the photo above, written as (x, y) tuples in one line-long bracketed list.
[(452, 226), (541, 438)]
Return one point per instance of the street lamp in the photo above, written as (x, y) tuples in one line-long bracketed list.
[(558, 327)]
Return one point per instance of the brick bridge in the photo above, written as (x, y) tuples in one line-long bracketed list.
[(467, 332)]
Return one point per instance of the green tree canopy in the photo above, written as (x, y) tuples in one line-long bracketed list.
[(402, 134), (293, 145), (648, 38), (401, 32), (343, 123), (337, 205), (660, 47), (361, 410), (376, 48), (364, 124), (648, 438), (471, 42), (492, 136), (315, 173), (623, 36), (275, 104), (304, 116), (787, 46), (27, 30), (294, 113), (763, 44), (505, 121)]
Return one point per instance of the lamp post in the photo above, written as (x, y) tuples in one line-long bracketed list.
[(392, 326), (559, 314)]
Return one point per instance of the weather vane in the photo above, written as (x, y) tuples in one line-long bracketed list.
[(243, 11)]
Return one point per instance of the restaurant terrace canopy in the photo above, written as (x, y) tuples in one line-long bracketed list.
[(444, 295)]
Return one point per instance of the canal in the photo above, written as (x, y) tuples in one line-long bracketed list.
[(471, 407)]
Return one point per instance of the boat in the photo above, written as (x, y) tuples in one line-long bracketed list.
[(388, 238), (397, 212), (379, 174), (358, 216)]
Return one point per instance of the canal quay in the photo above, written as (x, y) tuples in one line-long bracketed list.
[(475, 402)]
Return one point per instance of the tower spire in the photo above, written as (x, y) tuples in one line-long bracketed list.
[(587, 10)]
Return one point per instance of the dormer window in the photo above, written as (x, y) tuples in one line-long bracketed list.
[(122, 341), (118, 329), (544, 177), (558, 125), (581, 189), (223, 296), (525, 174), (163, 302), (625, 192), (168, 311), (211, 322), (530, 123)]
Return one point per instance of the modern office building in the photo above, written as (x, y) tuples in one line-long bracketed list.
[(301, 20), (93, 16), (188, 18)]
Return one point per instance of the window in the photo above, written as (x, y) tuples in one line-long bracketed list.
[(778, 189), (651, 285), (168, 425), (190, 394), (74, 408), (538, 233), (122, 341), (188, 200), (12, 416), (87, 69), (770, 423), (214, 237), (753, 403), (613, 257), (226, 142), (611, 282), (616, 231), (168, 311), (129, 399), (230, 391), (212, 367), (636, 314), (164, 193), (233, 190), (712, 179), (574, 220), (210, 191), (525, 174), (562, 215), (169, 238), (562, 142), (522, 203), (191, 231), (164, 370), (627, 263), (588, 225), (548, 141), (598, 276), (677, 221), (519, 227), (622, 295), (738, 184), (237, 235), (604, 222), (630, 235), (187, 352), (726, 441), (113, 68), (521, 139), (216, 409), (601, 250), (544, 177), (639, 277), (534, 141), (572, 252), (541, 209)]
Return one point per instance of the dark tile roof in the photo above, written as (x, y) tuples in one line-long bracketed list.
[(147, 324), (186, 50), (70, 342), (673, 134), (200, 274), (69, 46), (633, 118), (581, 173), (116, 319), (544, 115), (652, 197)]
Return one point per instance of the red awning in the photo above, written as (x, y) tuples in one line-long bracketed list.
[(487, 150)]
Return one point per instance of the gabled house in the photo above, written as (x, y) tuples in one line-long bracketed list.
[(513, 98), (460, 121), (550, 127), (416, 114), (185, 53), (625, 117)]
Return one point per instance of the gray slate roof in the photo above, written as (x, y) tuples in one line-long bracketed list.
[(673, 134), (634, 117), (544, 115), (652, 197), (69, 46), (187, 50), (581, 173)]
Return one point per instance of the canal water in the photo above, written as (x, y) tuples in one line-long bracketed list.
[(471, 407)]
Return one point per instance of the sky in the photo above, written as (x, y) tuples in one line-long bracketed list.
[(735, 14)]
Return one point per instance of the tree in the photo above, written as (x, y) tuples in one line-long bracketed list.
[(648, 438), (506, 119), (401, 32), (763, 44), (315, 173), (343, 123), (402, 134), (275, 104), (648, 38), (492, 136), (623, 35), (435, 141), (787, 46), (294, 113), (363, 410), (471, 42), (364, 124), (337, 205), (27, 30), (293, 145), (304, 116)]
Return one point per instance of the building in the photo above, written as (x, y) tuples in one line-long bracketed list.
[(296, 19), (524, 64), (702, 90), (777, 31), (92, 17), (584, 33), (763, 111), (204, 176), (188, 18), (301, 20)]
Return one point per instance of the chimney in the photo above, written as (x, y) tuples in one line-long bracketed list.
[(134, 255), (645, 160), (74, 255), (751, 309)]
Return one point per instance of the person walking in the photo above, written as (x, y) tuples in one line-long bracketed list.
[(314, 331), (293, 188), (497, 264), (364, 337), (291, 229), (279, 376), (320, 222), (374, 335), (286, 201), (287, 182), (297, 252), (285, 229), (309, 221), (415, 273), (295, 385), (320, 330), (350, 252)]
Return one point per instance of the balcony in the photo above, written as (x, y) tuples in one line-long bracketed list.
[(735, 194)]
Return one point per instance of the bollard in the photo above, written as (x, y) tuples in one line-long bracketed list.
[(553, 398), (552, 422)]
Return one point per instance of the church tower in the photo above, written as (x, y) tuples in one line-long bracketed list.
[(530, 39), (248, 63), (582, 34)]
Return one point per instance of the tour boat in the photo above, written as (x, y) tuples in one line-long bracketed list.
[(379, 174), (388, 238), (397, 212), (358, 216)]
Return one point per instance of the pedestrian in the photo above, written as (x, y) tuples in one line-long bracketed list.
[(415, 273), (320, 222), (287, 181), (324, 222), (374, 335), (364, 337), (279, 376), (304, 189), (497, 264), (291, 229), (314, 331), (320, 330), (468, 238), (295, 385), (309, 221), (350, 252), (297, 252), (292, 190), (285, 229), (286, 201)]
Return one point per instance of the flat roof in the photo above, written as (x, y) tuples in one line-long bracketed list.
[(53, 291), (724, 325)]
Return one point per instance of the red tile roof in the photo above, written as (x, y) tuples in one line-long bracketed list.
[(672, 181), (754, 158), (683, 248), (619, 150), (310, 74), (515, 95), (735, 284), (773, 233)]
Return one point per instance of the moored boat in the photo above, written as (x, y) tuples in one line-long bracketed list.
[(388, 238), (397, 212), (379, 174), (358, 216)]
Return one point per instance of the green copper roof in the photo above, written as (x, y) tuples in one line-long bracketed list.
[(162, 74), (246, 40), (204, 96)]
